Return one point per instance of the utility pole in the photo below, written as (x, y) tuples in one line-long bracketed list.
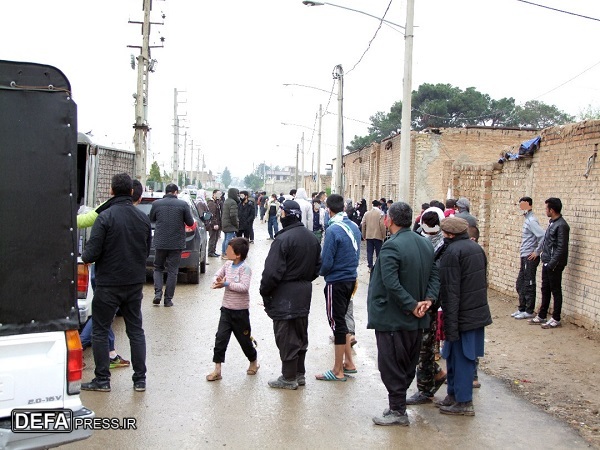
[(176, 140), (338, 74), (297, 151), (319, 151), (145, 65), (176, 127), (302, 176), (405, 150), (184, 183)]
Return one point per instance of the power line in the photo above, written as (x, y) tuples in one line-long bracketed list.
[(568, 81), (559, 10), (372, 39)]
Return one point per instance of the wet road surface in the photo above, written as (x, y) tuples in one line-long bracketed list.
[(180, 409)]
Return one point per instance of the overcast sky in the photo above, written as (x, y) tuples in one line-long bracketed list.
[(232, 59)]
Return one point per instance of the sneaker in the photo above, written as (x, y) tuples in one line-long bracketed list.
[(96, 385), (168, 303), (282, 383), (448, 400), (301, 379), (118, 361), (156, 301), (524, 315), (391, 417), (537, 320), (139, 386), (418, 398), (459, 409), (551, 324), (516, 313)]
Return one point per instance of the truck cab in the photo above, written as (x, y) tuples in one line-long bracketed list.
[(40, 351)]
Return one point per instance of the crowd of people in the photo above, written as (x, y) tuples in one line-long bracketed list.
[(427, 285)]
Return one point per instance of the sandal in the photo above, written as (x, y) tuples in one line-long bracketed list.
[(253, 371), (214, 376), (329, 376)]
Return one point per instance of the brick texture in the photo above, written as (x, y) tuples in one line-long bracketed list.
[(464, 162)]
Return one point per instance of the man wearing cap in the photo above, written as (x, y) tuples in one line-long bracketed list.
[(170, 215), (463, 206), (430, 376), (463, 294), (373, 230), (341, 251), (292, 264), (403, 286)]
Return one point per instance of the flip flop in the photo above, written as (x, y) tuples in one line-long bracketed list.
[(252, 371), (350, 370), (329, 376), (213, 377)]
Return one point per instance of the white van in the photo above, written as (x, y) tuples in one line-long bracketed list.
[(40, 352)]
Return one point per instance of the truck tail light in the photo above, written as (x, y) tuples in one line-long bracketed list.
[(185, 255), (74, 362), (83, 280)]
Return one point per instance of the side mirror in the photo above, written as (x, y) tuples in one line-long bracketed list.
[(206, 216)]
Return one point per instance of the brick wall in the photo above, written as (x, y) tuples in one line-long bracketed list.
[(464, 162)]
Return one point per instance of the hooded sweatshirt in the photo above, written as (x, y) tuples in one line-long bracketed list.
[(305, 207), (229, 220)]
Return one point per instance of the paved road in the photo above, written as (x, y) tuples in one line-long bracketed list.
[(182, 410)]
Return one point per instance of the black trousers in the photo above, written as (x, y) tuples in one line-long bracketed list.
[(397, 358), (106, 301), (236, 321), (526, 284), (169, 260), (551, 286), (291, 337)]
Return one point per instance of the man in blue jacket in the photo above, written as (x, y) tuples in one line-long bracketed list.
[(404, 284), (341, 251)]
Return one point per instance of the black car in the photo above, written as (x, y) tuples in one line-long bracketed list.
[(193, 257)]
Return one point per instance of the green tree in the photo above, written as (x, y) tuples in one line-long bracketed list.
[(589, 113), (226, 178), (443, 105), (154, 174), (540, 115), (253, 181)]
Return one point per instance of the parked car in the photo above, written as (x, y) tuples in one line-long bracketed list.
[(193, 257)]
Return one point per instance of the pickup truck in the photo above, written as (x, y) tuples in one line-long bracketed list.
[(40, 350)]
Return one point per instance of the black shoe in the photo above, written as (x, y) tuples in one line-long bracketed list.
[(139, 386), (418, 398), (168, 303), (96, 385), (448, 401), (459, 409), (156, 301), (214, 255)]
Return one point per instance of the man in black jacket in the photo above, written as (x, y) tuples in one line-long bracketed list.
[(119, 245), (463, 294), (555, 253), (171, 215), (214, 225), (292, 264), (246, 214)]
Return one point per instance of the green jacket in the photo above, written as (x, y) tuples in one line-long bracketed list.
[(87, 219), (404, 274)]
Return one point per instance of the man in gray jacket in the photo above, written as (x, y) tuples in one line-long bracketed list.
[(170, 215), (532, 239)]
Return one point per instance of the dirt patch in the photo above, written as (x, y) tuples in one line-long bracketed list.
[(557, 369)]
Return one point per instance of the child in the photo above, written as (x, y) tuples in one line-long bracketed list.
[(234, 276)]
